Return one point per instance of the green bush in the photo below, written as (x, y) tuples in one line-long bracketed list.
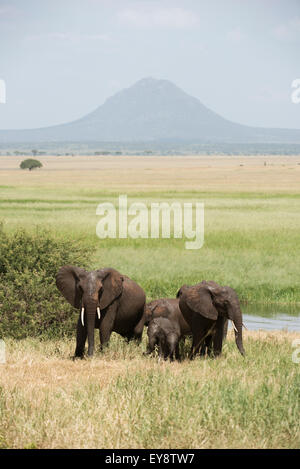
[(30, 164), (30, 304)]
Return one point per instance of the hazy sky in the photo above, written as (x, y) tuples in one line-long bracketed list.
[(60, 59)]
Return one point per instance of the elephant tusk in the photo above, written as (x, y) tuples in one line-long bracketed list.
[(98, 312), (82, 316), (245, 326), (234, 326)]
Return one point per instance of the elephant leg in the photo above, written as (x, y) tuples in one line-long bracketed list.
[(161, 351), (151, 345), (106, 325), (81, 335), (177, 352), (204, 349), (170, 352), (172, 344), (219, 336), (206, 346), (201, 328), (198, 339)]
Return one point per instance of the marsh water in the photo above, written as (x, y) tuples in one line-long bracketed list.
[(268, 317)]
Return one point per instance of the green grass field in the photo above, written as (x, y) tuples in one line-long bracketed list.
[(121, 399), (251, 241)]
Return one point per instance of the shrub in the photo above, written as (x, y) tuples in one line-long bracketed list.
[(30, 304), (30, 164)]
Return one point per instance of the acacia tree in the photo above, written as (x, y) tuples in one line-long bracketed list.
[(30, 164)]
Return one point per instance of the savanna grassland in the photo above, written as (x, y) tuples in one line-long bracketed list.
[(121, 399)]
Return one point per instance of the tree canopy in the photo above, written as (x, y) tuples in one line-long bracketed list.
[(30, 164)]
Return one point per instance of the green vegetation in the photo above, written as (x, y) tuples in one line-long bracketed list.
[(30, 302), (30, 164), (251, 241)]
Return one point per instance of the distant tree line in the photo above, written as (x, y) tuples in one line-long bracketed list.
[(154, 148)]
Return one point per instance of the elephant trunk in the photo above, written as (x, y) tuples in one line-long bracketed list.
[(235, 315), (90, 315)]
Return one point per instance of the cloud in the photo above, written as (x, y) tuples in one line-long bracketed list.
[(156, 16), (289, 31)]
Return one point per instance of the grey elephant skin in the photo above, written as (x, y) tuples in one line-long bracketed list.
[(163, 307), (106, 300), (206, 307), (169, 308), (166, 335), (166, 326)]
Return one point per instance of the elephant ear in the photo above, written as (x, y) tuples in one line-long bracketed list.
[(66, 281), (181, 290), (219, 294), (112, 282), (198, 299)]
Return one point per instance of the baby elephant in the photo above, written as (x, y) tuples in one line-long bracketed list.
[(165, 334)]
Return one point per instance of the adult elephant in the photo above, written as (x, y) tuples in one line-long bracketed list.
[(106, 299), (206, 307)]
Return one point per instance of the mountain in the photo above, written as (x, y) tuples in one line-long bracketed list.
[(152, 110)]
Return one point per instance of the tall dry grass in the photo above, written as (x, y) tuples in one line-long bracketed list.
[(121, 399)]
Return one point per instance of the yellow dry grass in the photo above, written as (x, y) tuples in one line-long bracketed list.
[(116, 401), (33, 364), (200, 173)]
